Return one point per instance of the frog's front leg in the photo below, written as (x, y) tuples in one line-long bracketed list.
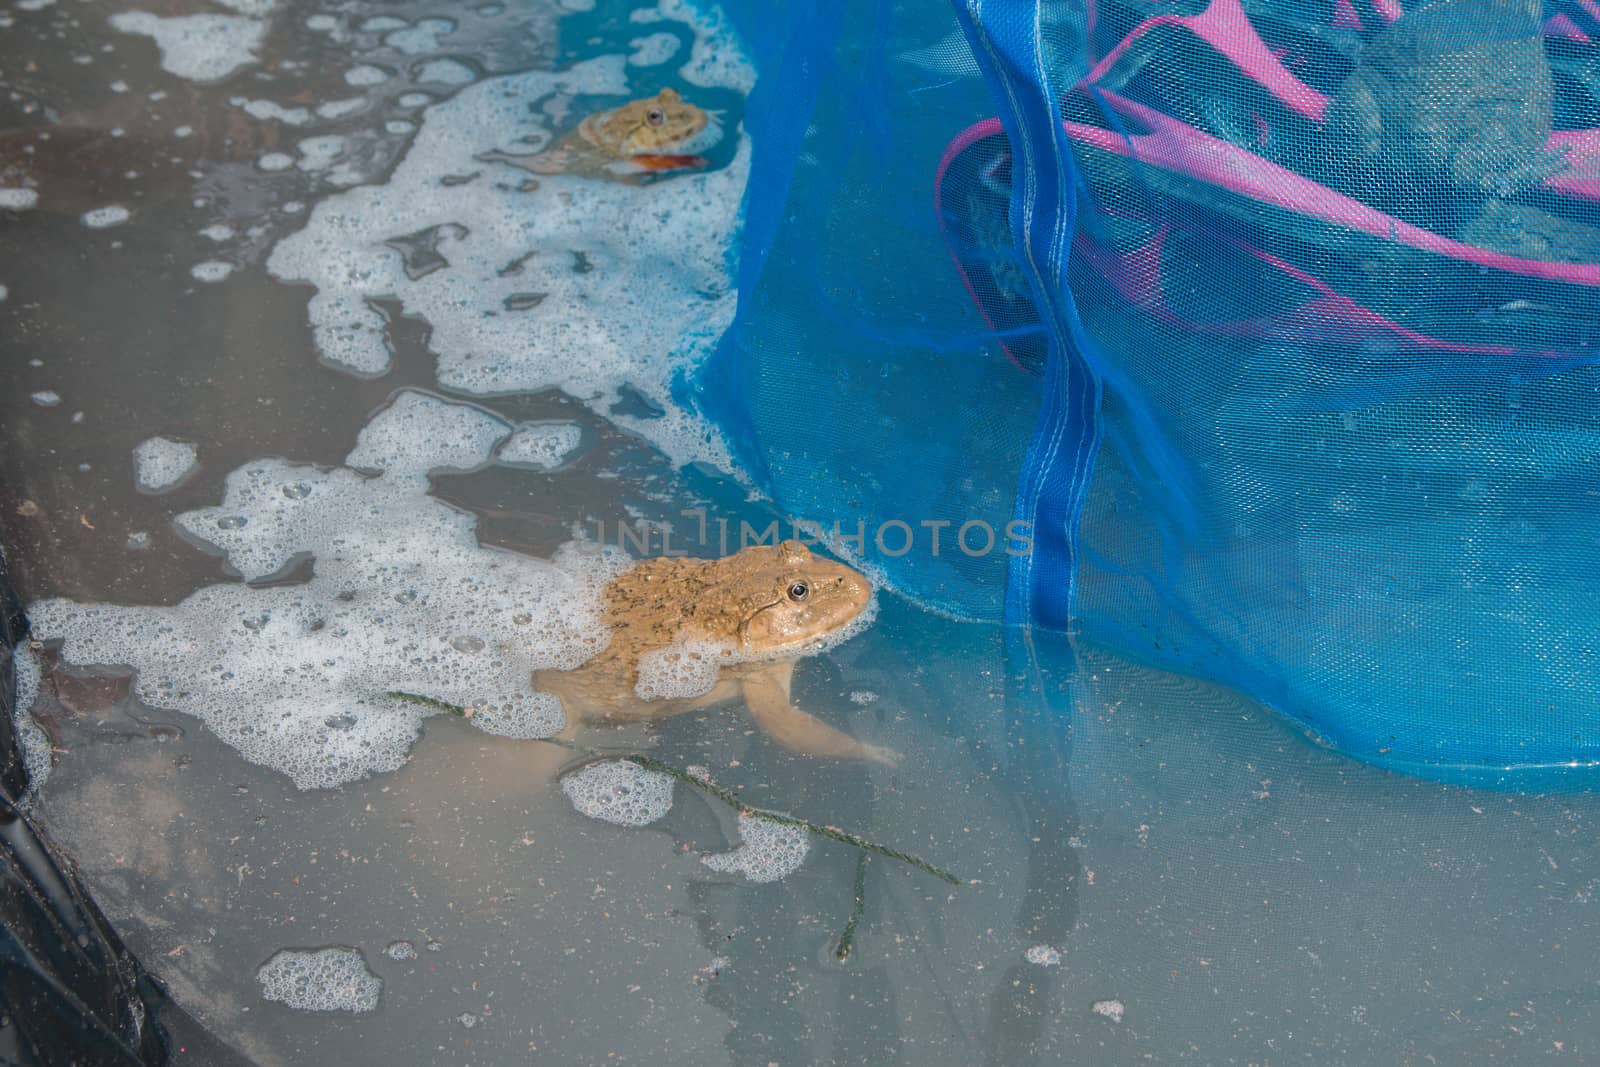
[(766, 694)]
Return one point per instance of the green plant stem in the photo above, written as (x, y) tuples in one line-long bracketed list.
[(848, 937), (727, 796)]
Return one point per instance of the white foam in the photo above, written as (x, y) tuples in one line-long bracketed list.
[(401, 598), (338, 109), (253, 8), (365, 75), (217, 232), (272, 111), (33, 5), (399, 126), (400, 950), (1110, 1009), (717, 57), (18, 199), (383, 24), (414, 99), (31, 737), (1043, 955), (421, 39), (102, 218), (274, 161), (652, 50), (328, 979), (541, 445), (767, 851), (211, 271), (681, 671), (420, 434), (446, 72), (202, 48), (161, 464), (863, 697), (320, 153), (654, 300), (46, 398), (527, 717), (619, 792), (344, 175)]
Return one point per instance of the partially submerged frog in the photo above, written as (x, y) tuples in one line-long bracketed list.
[(736, 625), (1455, 90), (654, 135)]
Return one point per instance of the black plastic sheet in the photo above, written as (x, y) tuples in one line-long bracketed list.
[(71, 995)]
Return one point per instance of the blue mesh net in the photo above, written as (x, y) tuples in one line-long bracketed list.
[(1261, 335)]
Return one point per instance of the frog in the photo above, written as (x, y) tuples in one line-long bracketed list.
[(738, 625), (653, 135), (1458, 91)]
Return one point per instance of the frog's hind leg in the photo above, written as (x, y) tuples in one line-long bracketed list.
[(766, 694), (554, 161)]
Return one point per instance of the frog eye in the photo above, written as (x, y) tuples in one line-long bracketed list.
[(655, 116), (798, 591)]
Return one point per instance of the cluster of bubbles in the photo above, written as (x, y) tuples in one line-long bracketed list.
[(587, 286), (619, 792), (543, 446), (402, 598), (400, 950), (681, 671), (201, 48), (326, 979), (31, 738), (161, 464), (1043, 955), (767, 850), (419, 434)]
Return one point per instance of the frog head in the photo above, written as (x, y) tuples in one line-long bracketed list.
[(665, 124), (787, 601)]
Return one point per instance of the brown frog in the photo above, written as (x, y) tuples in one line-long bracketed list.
[(654, 135), (1459, 89), (690, 633)]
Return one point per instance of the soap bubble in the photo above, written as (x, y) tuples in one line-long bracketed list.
[(767, 851), (328, 979), (620, 792)]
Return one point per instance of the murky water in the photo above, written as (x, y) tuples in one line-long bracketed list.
[(1185, 879)]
